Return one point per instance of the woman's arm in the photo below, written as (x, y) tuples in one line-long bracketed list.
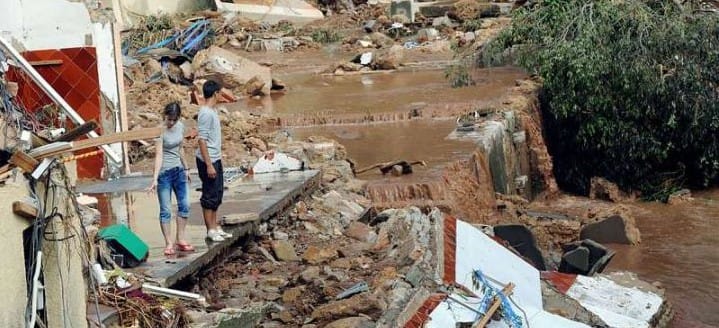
[(158, 164)]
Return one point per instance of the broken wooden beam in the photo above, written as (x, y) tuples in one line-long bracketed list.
[(137, 134), (24, 161), (25, 210), (46, 62), (77, 132)]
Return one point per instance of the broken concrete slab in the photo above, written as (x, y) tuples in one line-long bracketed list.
[(522, 240), (616, 229), (242, 197), (235, 71), (296, 12), (585, 257)]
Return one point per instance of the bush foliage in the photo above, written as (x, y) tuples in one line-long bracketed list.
[(629, 90)]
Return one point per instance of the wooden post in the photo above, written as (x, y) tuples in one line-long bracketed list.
[(120, 77), (493, 308)]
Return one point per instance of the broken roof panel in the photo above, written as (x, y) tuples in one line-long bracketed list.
[(617, 305)]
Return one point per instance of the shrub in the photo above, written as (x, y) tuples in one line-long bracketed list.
[(629, 90)]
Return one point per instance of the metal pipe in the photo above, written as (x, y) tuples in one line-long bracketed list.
[(35, 287), (40, 81), (167, 292)]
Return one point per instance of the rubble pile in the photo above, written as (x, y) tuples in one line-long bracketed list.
[(316, 277)]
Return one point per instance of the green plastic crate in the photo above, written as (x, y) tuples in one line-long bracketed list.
[(122, 240)]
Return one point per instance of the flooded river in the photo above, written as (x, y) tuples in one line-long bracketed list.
[(680, 248), (680, 242)]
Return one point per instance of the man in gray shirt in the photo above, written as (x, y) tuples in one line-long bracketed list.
[(209, 161)]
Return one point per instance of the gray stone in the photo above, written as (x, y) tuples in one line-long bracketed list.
[(441, 21), (578, 258), (381, 40), (414, 276), (615, 229), (284, 250), (279, 235), (468, 37), (310, 274)]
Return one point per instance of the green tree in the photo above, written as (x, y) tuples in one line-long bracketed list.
[(629, 90)]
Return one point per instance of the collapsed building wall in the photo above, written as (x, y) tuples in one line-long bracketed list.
[(75, 48), (64, 291)]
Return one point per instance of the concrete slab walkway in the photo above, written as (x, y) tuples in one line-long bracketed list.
[(254, 198)]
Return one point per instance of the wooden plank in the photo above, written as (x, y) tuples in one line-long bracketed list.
[(137, 134), (107, 139), (24, 161), (37, 140), (46, 62), (78, 131), (493, 308), (25, 210)]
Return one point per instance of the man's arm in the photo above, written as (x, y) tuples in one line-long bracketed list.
[(203, 127)]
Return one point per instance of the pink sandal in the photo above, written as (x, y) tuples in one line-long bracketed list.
[(185, 247), (169, 250)]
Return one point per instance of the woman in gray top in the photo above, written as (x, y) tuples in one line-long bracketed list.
[(170, 175)]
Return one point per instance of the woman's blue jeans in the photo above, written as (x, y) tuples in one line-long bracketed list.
[(170, 180)]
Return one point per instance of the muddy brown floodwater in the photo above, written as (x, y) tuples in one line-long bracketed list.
[(680, 248), (679, 243)]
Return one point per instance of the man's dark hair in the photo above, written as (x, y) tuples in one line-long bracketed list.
[(210, 88), (173, 109)]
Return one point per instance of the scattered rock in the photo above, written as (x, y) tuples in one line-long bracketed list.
[(391, 59), (681, 196), (388, 273), (286, 316), (616, 229), (427, 34), (310, 274), (342, 263), (441, 21), (317, 255), (284, 250), (362, 303), (604, 189), (361, 232), (292, 294), (274, 281), (351, 322), (279, 235), (468, 37), (353, 250), (254, 142), (381, 40)]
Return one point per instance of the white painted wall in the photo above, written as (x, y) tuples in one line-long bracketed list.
[(46, 24)]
